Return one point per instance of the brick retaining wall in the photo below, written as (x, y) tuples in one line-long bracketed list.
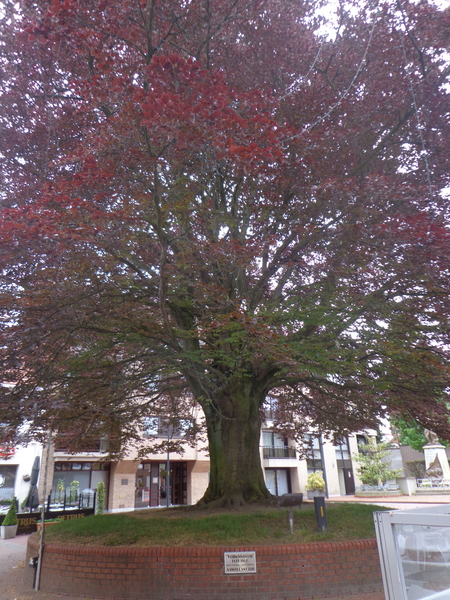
[(289, 572)]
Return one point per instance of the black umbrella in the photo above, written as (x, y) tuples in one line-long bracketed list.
[(33, 497)]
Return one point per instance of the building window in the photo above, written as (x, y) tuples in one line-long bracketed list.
[(87, 474), (7, 480), (343, 451), (150, 426), (344, 465), (160, 427), (362, 441), (278, 481), (276, 446), (270, 408), (100, 444), (314, 459)]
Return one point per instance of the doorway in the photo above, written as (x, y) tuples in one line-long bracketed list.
[(345, 468), (278, 481), (150, 489)]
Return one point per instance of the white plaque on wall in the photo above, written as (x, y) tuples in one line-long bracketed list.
[(430, 455), (240, 562)]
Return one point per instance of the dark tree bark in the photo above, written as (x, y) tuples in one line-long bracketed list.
[(234, 430)]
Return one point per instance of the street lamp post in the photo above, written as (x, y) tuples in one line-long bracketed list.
[(168, 468)]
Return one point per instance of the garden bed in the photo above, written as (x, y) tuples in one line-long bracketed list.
[(179, 554), (192, 526)]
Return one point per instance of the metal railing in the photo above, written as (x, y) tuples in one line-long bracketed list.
[(93, 446), (278, 452), (67, 499), (434, 484)]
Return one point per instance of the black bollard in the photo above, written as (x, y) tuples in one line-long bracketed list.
[(321, 515)]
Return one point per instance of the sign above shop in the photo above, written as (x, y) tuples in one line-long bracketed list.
[(6, 451)]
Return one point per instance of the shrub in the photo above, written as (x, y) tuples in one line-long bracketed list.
[(11, 515), (101, 498), (373, 469), (315, 481), (74, 491)]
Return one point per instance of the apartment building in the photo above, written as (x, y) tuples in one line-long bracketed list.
[(140, 481), (286, 469)]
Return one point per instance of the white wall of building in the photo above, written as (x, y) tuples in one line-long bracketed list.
[(22, 460), (298, 467), (334, 485)]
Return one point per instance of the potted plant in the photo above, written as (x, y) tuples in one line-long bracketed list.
[(315, 484), (8, 528)]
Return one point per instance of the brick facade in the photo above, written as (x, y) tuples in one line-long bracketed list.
[(290, 572), (198, 478), (122, 480)]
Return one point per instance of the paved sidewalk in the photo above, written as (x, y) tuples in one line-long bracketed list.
[(428, 499), (12, 565), (397, 502), (374, 596)]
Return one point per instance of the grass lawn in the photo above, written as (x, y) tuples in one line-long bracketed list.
[(189, 526)]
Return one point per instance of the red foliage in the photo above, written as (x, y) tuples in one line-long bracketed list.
[(216, 197)]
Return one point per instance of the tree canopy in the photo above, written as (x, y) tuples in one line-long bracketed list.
[(222, 201)]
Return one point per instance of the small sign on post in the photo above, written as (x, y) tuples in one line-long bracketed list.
[(236, 563), (289, 501)]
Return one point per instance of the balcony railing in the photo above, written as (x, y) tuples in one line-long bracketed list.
[(278, 452), (101, 445)]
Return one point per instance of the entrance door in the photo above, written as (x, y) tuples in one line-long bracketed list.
[(350, 487), (179, 483), (344, 465), (147, 485), (151, 484), (282, 482), (142, 489)]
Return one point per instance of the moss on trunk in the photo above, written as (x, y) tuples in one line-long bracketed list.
[(234, 429)]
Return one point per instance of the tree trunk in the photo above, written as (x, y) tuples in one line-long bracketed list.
[(234, 428)]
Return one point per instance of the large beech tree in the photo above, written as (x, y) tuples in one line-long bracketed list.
[(221, 202)]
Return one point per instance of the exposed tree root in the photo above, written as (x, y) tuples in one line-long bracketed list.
[(230, 501)]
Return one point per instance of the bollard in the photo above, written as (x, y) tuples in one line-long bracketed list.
[(321, 515)]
